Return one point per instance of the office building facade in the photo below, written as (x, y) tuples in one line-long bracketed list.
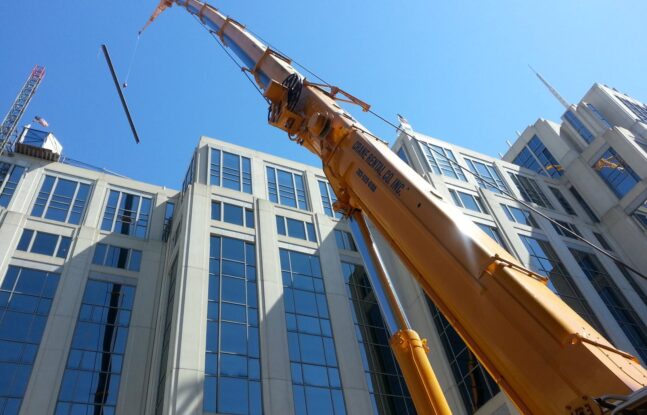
[(244, 292), (589, 176)]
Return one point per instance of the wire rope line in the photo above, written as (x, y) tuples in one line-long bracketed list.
[(132, 60)]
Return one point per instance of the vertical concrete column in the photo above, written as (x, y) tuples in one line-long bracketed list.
[(94, 209), (136, 381), (312, 187), (27, 188), (275, 361), (351, 370), (259, 180), (10, 233), (187, 376), (49, 366)]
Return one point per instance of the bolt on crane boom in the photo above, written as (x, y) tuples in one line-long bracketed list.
[(543, 355)]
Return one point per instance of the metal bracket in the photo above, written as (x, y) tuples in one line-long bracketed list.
[(496, 259), (334, 90), (228, 20)]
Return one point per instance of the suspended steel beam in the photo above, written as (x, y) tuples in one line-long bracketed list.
[(120, 92)]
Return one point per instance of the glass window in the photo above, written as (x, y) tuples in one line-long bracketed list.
[(232, 365), (328, 198), (579, 126), (25, 240), (61, 200), (493, 233), (571, 230), (486, 175), (442, 161), (345, 240), (641, 217), (231, 171), (530, 190), (605, 123), (562, 200), (639, 110), (216, 211), (168, 220), (535, 156), (295, 228), (467, 201), (544, 261), (233, 214), (44, 243), (249, 218), (403, 155), (286, 188), (188, 177), (166, 338), (616, 173), (475, 385), (520, 216), (10, 175), (93, 371), (583, 204), (25, 299), (615, 301), (387, 388), (127, 214), (117, 257), (315, 377), (527, 160)]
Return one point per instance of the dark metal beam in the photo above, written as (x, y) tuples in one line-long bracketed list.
[(121, 94)]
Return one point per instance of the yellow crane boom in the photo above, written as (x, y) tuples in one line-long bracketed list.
[(545, 357)]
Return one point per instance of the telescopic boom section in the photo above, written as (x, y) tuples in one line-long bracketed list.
[(544, 355)]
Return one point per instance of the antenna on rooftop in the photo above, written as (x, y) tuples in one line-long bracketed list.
[(552, 90)]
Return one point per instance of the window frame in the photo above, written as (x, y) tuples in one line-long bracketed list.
[(10, 181), (494, 182), (448, 164), (128, 266), (74, 201), (309, 228), (30, 241), (458, 201), (244, 177), (134, 224), (328, 200), (533, 195), (618, 176), (301, 203)]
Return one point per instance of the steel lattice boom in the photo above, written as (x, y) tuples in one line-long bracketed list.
[(19, 105)]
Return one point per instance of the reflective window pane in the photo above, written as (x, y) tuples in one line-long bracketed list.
[(93, 371), (232, 347), (22, 322), (126, 213), (311, 349), (61, 200)]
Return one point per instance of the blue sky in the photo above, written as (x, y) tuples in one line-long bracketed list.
[(457, 70)]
